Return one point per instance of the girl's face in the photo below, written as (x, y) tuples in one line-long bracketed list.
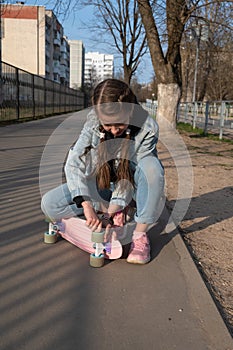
[(115, 129), (116, 124)]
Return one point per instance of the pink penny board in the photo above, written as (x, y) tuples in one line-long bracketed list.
[(75, 231)]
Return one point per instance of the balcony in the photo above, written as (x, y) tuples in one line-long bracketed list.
[(63, 62), (56, 42), (56, 77), (56, 67), (56, 55), (63, 48), (63, 72), (64, 56)]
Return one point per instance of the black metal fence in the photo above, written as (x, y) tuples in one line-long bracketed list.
[(25, 95)]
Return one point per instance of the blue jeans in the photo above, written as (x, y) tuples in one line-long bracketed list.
[(148, 194)]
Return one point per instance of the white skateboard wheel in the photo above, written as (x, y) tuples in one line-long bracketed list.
[(50, 237), (97, 237), (96, 261)]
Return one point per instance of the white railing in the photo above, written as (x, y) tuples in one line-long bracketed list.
[(214, 116)]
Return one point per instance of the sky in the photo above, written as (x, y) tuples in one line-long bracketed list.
[(75, 28)]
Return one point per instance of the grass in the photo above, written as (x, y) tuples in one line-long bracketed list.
[(197, 132)]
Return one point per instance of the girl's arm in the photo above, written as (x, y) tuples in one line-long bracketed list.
[(76, 164)]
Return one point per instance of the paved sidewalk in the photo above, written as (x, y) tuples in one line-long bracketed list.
[(51, 299)]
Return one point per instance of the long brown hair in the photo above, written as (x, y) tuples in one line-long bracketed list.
[(110, 96)]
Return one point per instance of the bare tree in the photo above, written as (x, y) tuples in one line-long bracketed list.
[(219, 84), (164, 41), (121, 21), (220, 80), (167, 66), (210, 32)]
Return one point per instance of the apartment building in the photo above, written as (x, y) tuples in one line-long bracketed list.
[(33, 40), (77, 56), (98, 67)]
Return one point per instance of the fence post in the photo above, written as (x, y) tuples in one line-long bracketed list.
[(65, 100), (1, 80), (221, 121), (17, 94), (206, 117), (53, 97), (60, 99), (194, 114), (186, 112), (44, 97), (33, 98)]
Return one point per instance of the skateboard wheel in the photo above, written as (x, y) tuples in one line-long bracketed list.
[(97, 237), (96, 261), (50, 237)]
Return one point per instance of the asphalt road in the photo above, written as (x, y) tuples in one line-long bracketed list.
[(50, 298)]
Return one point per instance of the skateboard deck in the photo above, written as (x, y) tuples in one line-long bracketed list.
[(107, 244), (75, 231)]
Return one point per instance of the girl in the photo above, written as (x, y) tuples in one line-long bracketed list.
[(113, 162)]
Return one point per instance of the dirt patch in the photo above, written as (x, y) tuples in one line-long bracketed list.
[(207, 227)]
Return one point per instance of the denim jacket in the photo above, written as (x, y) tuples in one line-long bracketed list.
[(80, 166)]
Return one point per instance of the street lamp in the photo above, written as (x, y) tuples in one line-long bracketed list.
[(199, 32), (198, 39)]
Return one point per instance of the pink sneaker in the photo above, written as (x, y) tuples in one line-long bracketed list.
[(140, 249)]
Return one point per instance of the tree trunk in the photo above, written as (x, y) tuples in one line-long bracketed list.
[(167, 67), (127, 74), (168, 99)]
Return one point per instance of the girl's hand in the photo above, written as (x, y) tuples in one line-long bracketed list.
[(107, 221), (119, 218), (92, 220)]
